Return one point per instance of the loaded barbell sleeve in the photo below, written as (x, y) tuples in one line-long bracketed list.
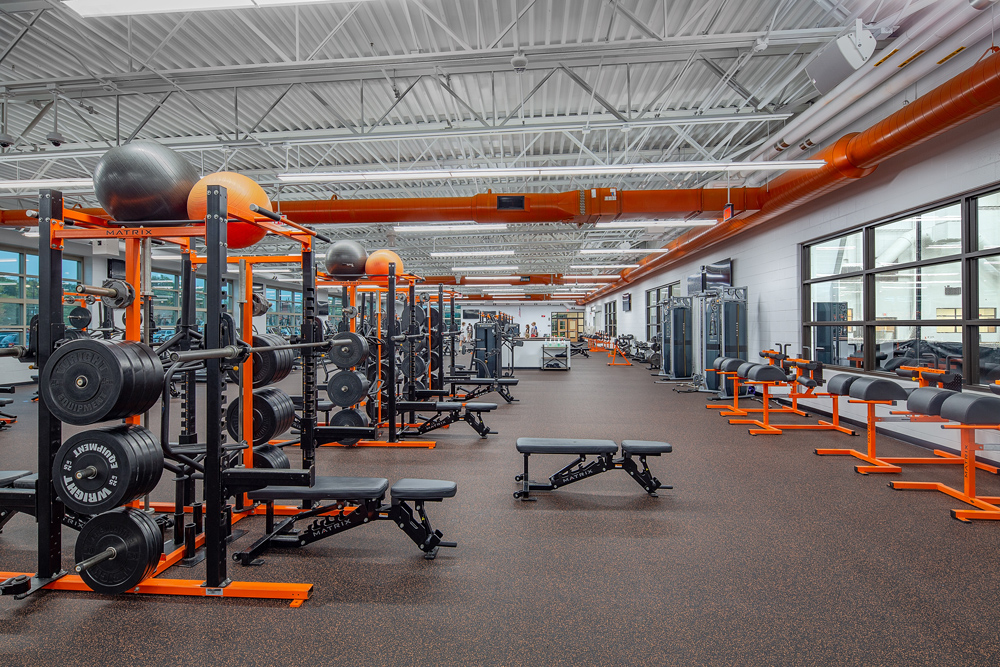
[(17, 351), (97, 291)]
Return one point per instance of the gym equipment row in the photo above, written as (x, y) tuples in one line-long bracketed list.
[(938, 398), (94, 480)]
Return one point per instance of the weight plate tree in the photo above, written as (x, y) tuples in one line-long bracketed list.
[(93, 380), (117, 550)]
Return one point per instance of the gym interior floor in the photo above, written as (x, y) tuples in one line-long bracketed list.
[(764, 553)]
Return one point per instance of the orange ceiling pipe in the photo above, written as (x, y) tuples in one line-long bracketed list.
[(963, 98), (575, 207)]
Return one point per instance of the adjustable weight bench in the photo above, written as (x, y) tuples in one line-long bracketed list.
[(5, 419), (448, 412), (348, 502), (579, 468), (482, 386)]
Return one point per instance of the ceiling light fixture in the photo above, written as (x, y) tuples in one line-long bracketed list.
[(475, 227), (604, 266), (472, 253), (531, 172), (96, 8), (493, 278), (50, 183), (639, 224), (629, 251), (597, 277), (462, 269)]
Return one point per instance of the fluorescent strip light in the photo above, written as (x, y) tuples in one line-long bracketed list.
[(629, 251), (532, 172), (460, 269), (493, 278), (472, 253), (95, 8), (50, 183), (604, 266), (486, 227), (638, 224), (598, 277)]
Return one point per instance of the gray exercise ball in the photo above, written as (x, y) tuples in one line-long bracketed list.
[(346, 259), (144, 180)]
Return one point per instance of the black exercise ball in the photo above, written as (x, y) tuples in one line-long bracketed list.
[(346, 259), (144, 180)]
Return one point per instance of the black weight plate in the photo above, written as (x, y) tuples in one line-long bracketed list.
[(138, 543), (347, 388), (348, 349), (435, 361), (418, 314), (343, 326), (125, 466), (91, 380), (349, 417), (79, 317), (419, 366), (271, 457), (273, 414), (435, 340), (147, 385), (72, 334), (434, 316)]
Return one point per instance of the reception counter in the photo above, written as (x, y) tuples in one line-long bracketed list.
[(529, 354)]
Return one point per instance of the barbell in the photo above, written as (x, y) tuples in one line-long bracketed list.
[(117, 550)]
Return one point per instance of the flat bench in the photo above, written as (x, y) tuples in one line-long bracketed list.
[(448, 412), (580, 468), (341, 503)]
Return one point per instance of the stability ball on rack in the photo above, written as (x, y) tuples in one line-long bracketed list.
[(241, 191), (346, 259), (144, 180), (377, 266)]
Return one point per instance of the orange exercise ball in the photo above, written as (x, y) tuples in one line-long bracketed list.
[(377, 266), (241, 191)]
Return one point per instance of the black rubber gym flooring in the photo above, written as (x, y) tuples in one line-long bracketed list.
[(763, 554)]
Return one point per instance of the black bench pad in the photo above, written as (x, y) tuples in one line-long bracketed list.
[(8, 477), (744, 369), (5, 401), (423, 489), (565, 446), (876, 389), (508, 381), (26, 482), (840, 384), (445, 406), (766, 373), (645, 447), (928, 400), (731, 364), (327, 488), (971, 409)]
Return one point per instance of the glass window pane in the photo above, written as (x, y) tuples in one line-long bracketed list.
[(939, 233), (923, 293), (836, 300), (989, 221), (989, 287), (838, 346), (10, 287), (10, 262), (836, 256), (71, 270), (989, 354), (920, 346), (11, 337), (166, 290), (10, 314), (31, 265)]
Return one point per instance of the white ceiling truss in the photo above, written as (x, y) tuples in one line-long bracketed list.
[(412, 84)]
